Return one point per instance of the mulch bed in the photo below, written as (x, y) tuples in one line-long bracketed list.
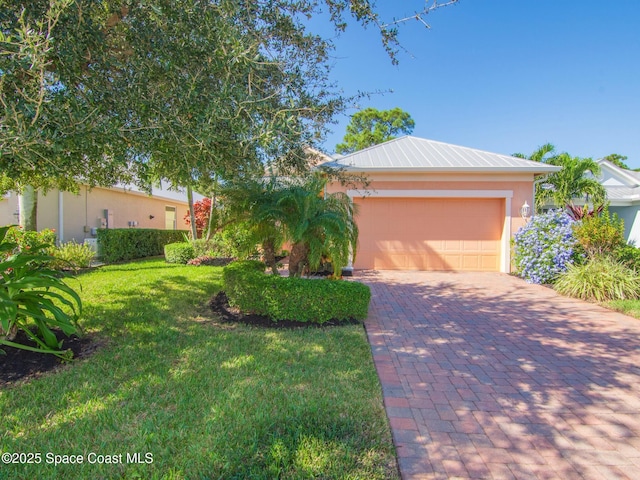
[(220, 306), (20, 364)]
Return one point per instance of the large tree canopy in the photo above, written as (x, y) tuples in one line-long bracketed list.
[(99, 91), (371, 127)]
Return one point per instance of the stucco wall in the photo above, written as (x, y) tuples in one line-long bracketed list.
[(86, 209)]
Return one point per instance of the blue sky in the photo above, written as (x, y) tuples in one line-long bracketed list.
[(506, 75)]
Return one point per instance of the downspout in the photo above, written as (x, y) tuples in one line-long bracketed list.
[(60, 218)]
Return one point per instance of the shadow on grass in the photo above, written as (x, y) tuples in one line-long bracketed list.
[(513, 367), (205, 402)]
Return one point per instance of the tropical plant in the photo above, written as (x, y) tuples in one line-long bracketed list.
[(71, 256), (371, 127), (542, 154), (318, 225), (33, 295), (578, 213), (600, 279), (544, 247), (575, 180), (255, 202)]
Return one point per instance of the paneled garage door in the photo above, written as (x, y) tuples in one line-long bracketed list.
[(430, 233)]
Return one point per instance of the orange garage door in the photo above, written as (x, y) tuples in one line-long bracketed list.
[(430, 233)]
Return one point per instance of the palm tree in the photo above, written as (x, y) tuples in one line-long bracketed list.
[(575, 180), (541, 154), (255, 202), (318, 225)]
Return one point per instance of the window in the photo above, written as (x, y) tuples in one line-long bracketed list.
[(170, 218)]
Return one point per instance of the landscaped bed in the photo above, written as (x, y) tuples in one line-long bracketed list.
[(197, 397)]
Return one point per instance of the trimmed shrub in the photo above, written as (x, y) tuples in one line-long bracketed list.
[(71, 256), (122, 244), (544, 247), (601, 279), (180, 252), (285, 298)]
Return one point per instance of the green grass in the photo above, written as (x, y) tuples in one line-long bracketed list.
[(628, 307), (206, 400)]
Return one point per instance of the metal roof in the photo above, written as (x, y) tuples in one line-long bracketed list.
[(622, 193), (413, 154)]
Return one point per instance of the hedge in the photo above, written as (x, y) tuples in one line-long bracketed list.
[(180, 252), (283, 298), (121, 244)]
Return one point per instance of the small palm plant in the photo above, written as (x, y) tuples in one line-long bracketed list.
[(318, 225), (33, 295)]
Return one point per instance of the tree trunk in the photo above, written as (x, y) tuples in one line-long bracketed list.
[(28, 208), (213, 213), (269, 253), (298, 260), (192, 214)]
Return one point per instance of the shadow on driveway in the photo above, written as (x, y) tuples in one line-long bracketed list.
[(485, 376)]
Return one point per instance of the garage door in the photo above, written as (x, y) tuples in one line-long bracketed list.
[(430, 233)]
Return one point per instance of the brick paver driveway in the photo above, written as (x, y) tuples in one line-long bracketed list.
[(485, 376)]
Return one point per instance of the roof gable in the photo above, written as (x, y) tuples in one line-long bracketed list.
[(409, 153), (614, 175)]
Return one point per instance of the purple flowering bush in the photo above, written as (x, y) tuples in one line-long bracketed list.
[(545, 247)]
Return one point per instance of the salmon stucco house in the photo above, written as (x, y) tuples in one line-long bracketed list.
[(435, 206)]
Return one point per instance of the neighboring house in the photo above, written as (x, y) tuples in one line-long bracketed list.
[(623, 194), (78, 216), (436, 206)]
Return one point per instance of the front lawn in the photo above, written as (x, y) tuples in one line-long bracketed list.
[(195, 398)]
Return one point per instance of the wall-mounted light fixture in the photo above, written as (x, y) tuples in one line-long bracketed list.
[(151, 217), (525, 211)]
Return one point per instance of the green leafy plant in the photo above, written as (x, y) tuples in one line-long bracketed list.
[(600, 234), (71, 255), (288, 298), (600, 279), (31, 294), (629, 255), (28, 241), (180, 252), (234, 240)]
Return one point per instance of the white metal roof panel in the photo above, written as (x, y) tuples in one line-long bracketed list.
[(418, 154)]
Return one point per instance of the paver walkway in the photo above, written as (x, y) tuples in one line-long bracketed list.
[(485, 376)]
